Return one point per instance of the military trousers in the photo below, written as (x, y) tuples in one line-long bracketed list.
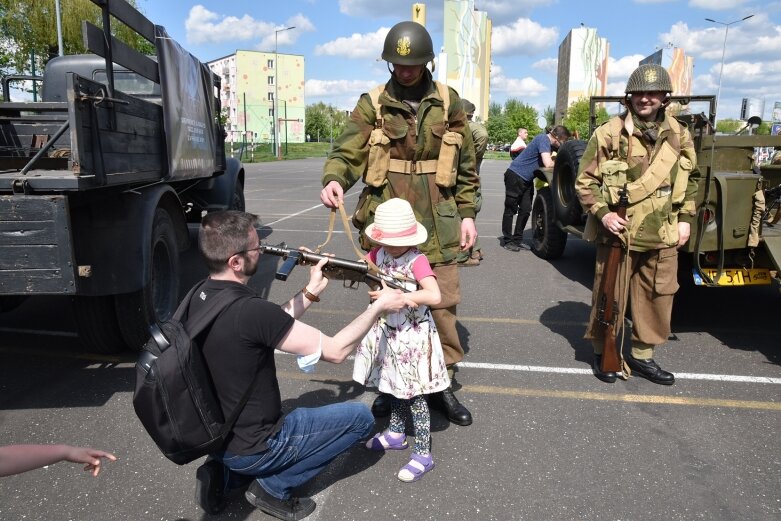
[(651, 278), (444, 313)]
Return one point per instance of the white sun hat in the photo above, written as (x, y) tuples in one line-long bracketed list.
[(395, 225)]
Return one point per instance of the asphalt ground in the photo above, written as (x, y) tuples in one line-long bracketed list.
[(549, 440)]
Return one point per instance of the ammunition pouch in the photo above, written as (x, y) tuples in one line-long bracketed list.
[(447, 164), (379, 158), (613, 173)]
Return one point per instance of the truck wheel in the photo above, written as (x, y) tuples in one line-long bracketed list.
[(237, 201), (565, 170), (548, 240), (158, 300), (96, 323)]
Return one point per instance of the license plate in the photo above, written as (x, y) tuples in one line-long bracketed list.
[(735, 277)]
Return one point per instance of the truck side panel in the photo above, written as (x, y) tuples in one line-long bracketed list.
[(115, 137), (35, 251)]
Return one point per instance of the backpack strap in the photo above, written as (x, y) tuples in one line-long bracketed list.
[(204, 319)]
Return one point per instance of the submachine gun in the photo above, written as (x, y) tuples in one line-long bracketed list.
[(607, 312), (351, 272)]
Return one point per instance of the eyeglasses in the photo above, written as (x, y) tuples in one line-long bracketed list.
[(258, 248)]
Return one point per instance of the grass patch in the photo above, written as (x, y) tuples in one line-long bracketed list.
[(264, 152)]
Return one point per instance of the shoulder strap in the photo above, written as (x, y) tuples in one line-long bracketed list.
[(444, 93), (374, 96), (201, 320)]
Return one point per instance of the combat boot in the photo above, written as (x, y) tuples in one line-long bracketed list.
[(381, 406), (650, 370), (596, 366), (447, 402)]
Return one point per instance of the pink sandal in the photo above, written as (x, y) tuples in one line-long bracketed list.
[(417, 466), (381, 442)]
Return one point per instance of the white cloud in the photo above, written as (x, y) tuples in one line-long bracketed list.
[(204, 26), (716, 5), (754, 38), (621, 68), (549, 65), (375, 8), (523, 36), (521, 88), (368, 45)]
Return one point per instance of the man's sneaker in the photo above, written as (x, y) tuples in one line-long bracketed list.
[(511, 246), (291, 509), (209, 487)]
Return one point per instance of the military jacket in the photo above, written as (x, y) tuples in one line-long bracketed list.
[(414, 136), (657, 202), (480, 138)]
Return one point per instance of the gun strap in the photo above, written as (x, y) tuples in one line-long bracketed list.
[(348, 232)]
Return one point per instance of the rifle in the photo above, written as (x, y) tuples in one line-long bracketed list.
[(352, 272), (607, 312)]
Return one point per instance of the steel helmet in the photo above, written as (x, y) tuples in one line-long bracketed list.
[(408, 43), (649, 77), (469, 107)]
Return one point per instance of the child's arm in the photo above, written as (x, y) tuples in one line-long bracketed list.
[(427, 295), (15, 459)]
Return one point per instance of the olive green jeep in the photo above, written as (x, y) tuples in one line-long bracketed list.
[(736, 238)]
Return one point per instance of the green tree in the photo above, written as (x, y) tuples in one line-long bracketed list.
[(503, 122), (577, 118), (731, 126), (29, 32), (550, 116), (324, 121)]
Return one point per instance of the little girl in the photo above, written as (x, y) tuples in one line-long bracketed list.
[(402, 355)]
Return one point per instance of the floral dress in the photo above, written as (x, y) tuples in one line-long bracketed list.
[(401, 354)]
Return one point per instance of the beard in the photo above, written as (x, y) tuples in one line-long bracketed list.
[(250, 267)]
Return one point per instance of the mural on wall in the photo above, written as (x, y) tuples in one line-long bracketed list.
[(588, 65), (467, 59)]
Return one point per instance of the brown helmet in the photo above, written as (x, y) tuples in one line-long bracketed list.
[(649, 77), (408, 43)]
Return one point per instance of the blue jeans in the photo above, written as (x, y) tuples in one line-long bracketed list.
[(308, 441)]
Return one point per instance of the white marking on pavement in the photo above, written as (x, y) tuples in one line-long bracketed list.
[(301, 212), (574, 370)]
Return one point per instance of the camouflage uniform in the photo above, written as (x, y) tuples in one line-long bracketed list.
[(415, 136), (653, 218)]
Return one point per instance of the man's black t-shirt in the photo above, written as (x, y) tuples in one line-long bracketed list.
[(239, 344)]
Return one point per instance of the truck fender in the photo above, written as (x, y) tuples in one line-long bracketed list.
[(226, 191), (114, 239)]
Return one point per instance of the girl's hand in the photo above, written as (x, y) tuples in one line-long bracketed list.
[(392, 295)]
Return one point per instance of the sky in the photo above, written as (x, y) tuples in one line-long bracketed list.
[(341, 41)]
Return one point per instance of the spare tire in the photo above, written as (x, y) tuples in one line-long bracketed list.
[(565, 199)]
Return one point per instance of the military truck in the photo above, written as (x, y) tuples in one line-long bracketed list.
[(99, 180), (736, 239)]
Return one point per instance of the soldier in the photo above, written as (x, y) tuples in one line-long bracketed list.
[(473, 256), (652, 154), (409, 139)]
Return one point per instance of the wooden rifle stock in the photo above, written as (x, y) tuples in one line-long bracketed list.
[(335, 268), (607, 311)]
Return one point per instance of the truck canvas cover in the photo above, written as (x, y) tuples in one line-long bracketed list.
[(187, 89)]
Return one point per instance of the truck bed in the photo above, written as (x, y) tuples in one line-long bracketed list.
[(90, 143)]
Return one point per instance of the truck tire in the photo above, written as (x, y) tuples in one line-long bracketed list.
[(96, 323), (548, 240), (565, 170), (157, 301), (237, 201)]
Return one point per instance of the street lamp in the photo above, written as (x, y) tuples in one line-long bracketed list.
[(723, 51), (276, 90), (59, 25)]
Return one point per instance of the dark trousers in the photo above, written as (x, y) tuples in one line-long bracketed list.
[(517, 200)]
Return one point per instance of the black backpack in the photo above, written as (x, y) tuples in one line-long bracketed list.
[(174, 396)]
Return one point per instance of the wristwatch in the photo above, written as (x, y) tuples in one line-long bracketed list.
[(310, 296)]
